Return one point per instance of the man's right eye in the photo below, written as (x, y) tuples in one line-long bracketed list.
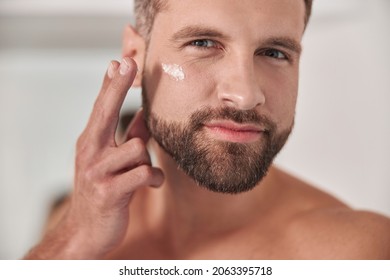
[(203, 43)]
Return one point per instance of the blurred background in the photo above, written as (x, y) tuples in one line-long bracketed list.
[(53, 55)]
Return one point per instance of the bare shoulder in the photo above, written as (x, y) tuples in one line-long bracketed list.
[(340, 233), (326, 228)]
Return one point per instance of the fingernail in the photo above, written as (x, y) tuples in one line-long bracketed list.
[(124, 67), (111, 70)]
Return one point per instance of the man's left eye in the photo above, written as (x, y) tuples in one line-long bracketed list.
[(275, 54), (203, 43)]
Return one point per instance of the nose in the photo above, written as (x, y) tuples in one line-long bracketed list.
[(240, 86)]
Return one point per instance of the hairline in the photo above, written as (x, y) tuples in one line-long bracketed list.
[(158, 6)]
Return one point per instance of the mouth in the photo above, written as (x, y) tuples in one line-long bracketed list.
[(233, 132)]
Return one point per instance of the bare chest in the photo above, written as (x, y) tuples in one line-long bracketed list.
[(244, 245)]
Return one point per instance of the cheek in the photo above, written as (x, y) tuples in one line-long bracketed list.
[(176, 90), (281, 89)]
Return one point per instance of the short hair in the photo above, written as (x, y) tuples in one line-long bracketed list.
[(146, 10)]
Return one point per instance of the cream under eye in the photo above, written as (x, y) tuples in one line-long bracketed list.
[(174, 70)]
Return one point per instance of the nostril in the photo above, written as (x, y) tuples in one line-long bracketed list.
[(243, 101), (228, 102)]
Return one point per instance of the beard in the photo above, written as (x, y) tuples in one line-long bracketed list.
[(219, 166)]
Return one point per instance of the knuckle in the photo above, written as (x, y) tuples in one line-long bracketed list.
[(83, 147), (101, 115), (144, 173), (93, 190), (105, 117), (82, 158), (101, 193), (137, 147), (89, 175), (116, 85)]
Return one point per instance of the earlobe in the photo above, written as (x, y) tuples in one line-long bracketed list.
[(134, 47)]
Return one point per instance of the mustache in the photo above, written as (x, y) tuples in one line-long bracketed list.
[(207, 114)]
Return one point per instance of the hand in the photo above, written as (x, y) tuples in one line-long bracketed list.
[(106, 176)]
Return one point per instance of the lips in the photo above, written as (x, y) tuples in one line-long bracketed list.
[(234, 132)]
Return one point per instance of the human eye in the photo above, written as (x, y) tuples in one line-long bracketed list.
[(203, 43), (275, 54)]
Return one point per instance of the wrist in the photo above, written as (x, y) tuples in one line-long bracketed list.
[(66, 243)]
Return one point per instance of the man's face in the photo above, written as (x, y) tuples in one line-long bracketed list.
[(220, 86)]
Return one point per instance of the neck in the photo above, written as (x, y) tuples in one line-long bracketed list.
[(180, 206)]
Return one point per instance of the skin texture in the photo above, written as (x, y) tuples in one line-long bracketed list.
[(114, 214)]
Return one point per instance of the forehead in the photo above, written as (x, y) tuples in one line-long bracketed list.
[(273, 17)]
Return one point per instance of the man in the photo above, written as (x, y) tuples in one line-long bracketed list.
[(220, 82)]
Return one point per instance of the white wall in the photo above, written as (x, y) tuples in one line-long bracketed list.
[(342, 135), (51, 70)]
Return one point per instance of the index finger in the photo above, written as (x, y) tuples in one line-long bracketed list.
[(105, 115)]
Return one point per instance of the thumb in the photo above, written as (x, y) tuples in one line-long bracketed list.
[(137, 128)]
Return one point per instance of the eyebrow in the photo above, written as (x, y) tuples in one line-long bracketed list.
[(197, 31), (284, 42)]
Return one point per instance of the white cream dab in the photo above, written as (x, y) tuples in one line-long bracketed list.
[(174, 70)]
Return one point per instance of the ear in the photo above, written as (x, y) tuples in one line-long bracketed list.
[(134, 46)]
